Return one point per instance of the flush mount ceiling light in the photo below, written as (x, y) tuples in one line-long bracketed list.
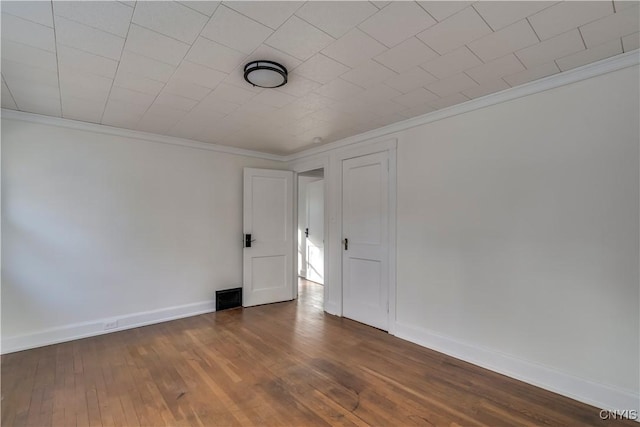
[(267, 74)]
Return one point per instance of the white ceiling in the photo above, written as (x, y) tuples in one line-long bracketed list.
[(175, 68)]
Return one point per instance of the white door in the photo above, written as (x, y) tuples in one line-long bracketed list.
[(268, 237), (365, 245), (315, 231)]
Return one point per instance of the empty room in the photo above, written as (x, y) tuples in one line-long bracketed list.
[(301, 213)]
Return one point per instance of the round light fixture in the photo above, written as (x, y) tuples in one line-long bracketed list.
[(267, 74)]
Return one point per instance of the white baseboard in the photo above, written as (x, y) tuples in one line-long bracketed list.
[(93, 328), (599, 395)]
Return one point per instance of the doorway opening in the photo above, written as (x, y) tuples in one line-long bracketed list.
[(310, 230)]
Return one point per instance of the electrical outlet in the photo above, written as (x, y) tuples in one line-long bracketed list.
[(110, 325)]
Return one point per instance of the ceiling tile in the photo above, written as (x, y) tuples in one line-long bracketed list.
[(408, 54), (550, 49), (487, 73), (274, 98), (199, 74), (205, 7), (225, 92), (186, 89), (34, 11), (441, 10), (139, 83), (451, 85), (380, 4), (82, 109), (384, 107), (175, 101), (146, 67), (35, 97), (592, 54), (368, 74), (531, 74), (350, 105), (338, 89), (378, 93), (191, 125), (256, 109), (215, 104), (336, 18), (566, 15), (455, 31), (170, 18), (214, 55), (88, 39), (161, 121), (353, 48), (507, 40), (16, 71), (321, 69), (397, 22), (622, 23), (38, 104), (83, 62), (140, 100), (448, 101), (272, 14), (486, 88), (452, 63), (623, 4), (631, 42), (121, 114), (109, 16), (234, 30), (499, 14), (26, 32), (155, 45), (298, 85), (313, 101), (298, 38), (18, 52), (267, 52), (236, 78), (418, 110), (84, 86), (415, 98), (7, 98), (171, 115), (409, 80)]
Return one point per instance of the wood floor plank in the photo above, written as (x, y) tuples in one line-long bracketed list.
[(273, 365)]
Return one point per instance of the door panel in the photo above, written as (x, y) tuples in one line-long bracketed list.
[(365, 223), (315, 224), (268, 217)]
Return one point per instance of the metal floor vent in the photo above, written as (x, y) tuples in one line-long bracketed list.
[(228, 298)]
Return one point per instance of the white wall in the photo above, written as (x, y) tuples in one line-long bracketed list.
[(518, 230), (98, 226)]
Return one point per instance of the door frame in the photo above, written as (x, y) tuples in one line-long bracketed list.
[(298, 168), (375, 146)]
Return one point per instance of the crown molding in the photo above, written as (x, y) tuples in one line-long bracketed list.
[(135, 134), (588, 71)]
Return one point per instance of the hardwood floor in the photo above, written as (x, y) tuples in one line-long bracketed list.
[(278, 364)]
